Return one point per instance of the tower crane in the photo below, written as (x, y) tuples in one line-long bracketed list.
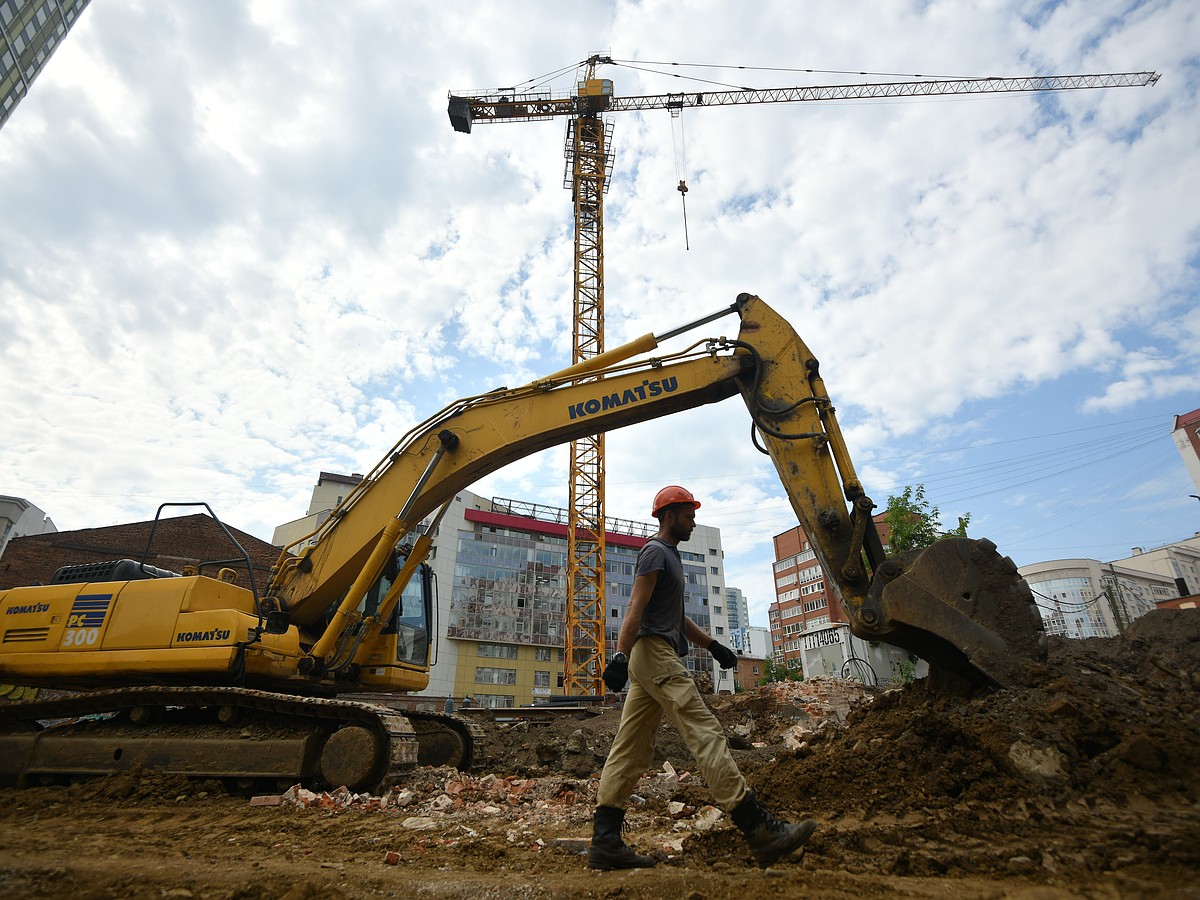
[(589, 165)]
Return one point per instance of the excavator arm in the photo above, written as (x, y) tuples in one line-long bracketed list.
[(958, 605)]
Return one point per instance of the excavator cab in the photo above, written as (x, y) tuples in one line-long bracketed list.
[(411, 619), (390, 651)]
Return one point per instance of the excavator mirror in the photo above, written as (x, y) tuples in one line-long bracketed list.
[(277, 622)]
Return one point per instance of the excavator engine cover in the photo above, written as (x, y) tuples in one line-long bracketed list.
[(959, 605)]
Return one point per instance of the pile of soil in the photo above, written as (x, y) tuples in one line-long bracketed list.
[(1080, 784)]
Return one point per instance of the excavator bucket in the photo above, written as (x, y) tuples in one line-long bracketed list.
[(961, 606)]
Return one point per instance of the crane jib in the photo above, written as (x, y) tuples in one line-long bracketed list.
[(514, 107)]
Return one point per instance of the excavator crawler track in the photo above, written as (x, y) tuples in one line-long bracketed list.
[(237, 734)]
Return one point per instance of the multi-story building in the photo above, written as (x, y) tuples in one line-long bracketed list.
[(1082, 598), (330, 490), (500, 567), (30, 30), (809, 628), (19, 517), (801, 601), (1179, 561), (737, 610), (1186, 435)]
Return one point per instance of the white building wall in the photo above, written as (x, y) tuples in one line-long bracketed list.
[(19, 518), (1180, 560), (441, 559), (759, 640), (706, 540), (1187, 441), (833, 652)]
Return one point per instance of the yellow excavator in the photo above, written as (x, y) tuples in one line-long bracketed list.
[(199, 675)]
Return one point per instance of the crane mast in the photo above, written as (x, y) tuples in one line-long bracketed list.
[(589, 164)]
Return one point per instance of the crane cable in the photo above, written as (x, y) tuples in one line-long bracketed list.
[(680, 149)]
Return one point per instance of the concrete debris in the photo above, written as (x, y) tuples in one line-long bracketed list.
[(786, 716)]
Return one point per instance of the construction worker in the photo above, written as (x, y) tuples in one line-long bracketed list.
[(653, 637)]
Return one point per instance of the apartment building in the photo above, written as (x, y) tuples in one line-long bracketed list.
[(809, 628)]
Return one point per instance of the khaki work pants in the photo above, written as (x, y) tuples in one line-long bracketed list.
[(660, 683)]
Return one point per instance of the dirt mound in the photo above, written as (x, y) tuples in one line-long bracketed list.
[(1080, 784)]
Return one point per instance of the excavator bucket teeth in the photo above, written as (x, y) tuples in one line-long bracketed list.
[(959, 605)]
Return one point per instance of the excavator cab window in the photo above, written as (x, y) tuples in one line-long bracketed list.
[(412, 619)]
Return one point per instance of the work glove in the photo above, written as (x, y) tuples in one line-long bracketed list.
[(616, 673), (723, 655)]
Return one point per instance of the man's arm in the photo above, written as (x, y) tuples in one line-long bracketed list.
[(643, 587)]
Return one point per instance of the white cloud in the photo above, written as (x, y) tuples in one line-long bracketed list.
[(242, 244)]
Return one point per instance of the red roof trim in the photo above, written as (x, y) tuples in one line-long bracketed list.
[(1187, 419), (537, 526)]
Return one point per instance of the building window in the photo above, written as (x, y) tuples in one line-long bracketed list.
[(488, 675), (496, 651), (541, 679), (495, 701), (541, 654)]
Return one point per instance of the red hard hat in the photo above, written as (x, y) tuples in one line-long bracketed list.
[(673, 493)]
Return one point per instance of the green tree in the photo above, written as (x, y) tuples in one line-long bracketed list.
[(913, 523), (772, 672)]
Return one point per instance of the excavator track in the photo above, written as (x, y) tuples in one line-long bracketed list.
[(236, 734), (443, 739), (446, 740)]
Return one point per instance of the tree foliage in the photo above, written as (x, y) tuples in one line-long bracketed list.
[(773, 672), (913, 523)]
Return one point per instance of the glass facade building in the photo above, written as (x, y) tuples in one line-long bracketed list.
[(506, 610), (30, 31)]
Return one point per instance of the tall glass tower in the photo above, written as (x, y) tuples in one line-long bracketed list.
[(30, 30)]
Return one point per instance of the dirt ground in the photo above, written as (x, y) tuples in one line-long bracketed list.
[(1081, 785)]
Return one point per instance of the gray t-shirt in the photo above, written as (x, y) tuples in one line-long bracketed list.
[(663, 615)]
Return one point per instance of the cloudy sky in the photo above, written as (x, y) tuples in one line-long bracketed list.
[(240, 244)]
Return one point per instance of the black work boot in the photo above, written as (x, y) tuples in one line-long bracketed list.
[(770, 840), (607, 850)]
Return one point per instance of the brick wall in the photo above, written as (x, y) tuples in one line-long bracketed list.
[(180, 541)]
